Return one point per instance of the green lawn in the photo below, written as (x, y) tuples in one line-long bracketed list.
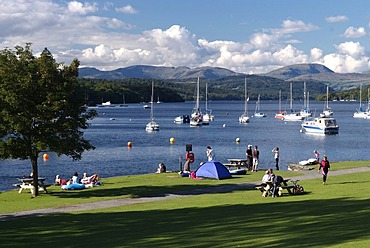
[(332, 215)]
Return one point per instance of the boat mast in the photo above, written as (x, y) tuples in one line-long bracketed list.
[(304, 97), (245, 98), (206, 96), (279, 101), (360, 97), (291, 97), (197, 101), (327, 97), (151, 103)]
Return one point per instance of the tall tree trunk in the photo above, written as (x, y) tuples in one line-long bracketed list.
[(35, 175)]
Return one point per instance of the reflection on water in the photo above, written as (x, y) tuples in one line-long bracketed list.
[(115, 127)]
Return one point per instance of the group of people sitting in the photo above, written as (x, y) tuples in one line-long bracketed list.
[(78, 183), (270, 183)]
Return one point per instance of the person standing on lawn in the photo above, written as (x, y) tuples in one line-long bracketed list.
[(324, 167)]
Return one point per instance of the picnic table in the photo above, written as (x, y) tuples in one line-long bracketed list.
[(267, 188), (237, 162), (27, 183)]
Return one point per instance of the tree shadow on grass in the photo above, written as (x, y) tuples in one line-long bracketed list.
[(311, 223), (152, 191)]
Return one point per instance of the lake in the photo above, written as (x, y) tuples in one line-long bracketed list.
[(116, 126)]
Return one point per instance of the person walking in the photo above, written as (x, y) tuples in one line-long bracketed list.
[(210, 154), (324, 167), (249, 154), (256, 155), (276, 156)]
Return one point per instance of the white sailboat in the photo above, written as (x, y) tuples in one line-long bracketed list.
[(196, 118), (360, 113), (280, 114), (152, 125), (327, 112), (306, 112), (257, 112), (292, 116), (208, 116), (123, 102), (244, 118)]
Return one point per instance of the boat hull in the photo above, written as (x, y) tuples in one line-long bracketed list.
[(152, 127), (321, 126)]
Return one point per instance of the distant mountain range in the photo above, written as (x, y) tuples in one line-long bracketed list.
[(157, 72), (298, 72)]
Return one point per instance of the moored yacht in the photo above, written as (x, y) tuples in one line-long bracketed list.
[(321, 125)]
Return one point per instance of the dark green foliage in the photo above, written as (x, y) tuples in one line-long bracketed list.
[(42, 107)]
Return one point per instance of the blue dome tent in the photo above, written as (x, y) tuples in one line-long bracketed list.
[(213, 169)]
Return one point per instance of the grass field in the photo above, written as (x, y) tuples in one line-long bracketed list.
[(332, 215)]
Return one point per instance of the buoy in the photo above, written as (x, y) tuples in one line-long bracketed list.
[(45, 156), (129, 144), (172, 140), (237, 140)]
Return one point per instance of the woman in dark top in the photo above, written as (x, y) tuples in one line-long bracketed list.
[(325, 167)]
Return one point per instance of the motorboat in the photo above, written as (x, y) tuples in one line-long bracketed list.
[(152, 125), (108, 103), (196, 117), (321, 125), (244, 118), (182, 119)]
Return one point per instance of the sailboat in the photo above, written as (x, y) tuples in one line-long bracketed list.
[(244, 118), (327, 110), (123, 102), (208, 116), (257, 112), (152, 125), (305, 112), (280, 114), (292, 116), (360, 113), (196, 118)]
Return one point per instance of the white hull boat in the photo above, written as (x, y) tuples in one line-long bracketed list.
[(244, 118), (196, 117), (321, 125), (152, 125)]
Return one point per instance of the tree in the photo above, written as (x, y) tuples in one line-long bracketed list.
[(41, 108)]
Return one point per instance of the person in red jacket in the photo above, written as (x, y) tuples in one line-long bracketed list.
[(325, 167)]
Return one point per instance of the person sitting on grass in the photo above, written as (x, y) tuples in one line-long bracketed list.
[(58, 181), (161, 168)]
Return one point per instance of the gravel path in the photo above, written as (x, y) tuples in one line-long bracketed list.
[(125, 201)]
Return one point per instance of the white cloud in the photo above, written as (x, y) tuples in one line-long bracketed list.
[(353, 32), (128, 9), (81, 8), (295, 26), (77, 30), (350, 57), (333, 19)]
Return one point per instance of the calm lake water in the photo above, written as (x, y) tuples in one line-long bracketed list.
[(116, 126)]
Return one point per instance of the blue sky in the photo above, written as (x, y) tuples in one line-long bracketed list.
[(248, 36)]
